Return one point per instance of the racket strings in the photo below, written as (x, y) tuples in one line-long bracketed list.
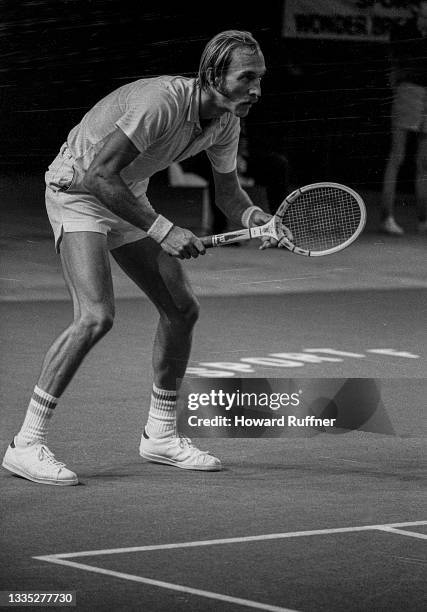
[(322, 218)]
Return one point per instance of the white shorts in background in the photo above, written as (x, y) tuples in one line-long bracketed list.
[(409, 111), (71, 210)]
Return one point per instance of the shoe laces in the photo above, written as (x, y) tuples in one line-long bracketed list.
[(46, 455), (186, 442)]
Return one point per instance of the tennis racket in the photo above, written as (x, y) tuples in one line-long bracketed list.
[(314, 220)]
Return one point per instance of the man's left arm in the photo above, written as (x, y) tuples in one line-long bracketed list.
[(236, 204)]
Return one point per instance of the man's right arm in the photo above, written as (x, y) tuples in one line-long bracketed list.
[(104, 181)]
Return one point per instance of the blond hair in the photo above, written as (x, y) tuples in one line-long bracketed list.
[(216, 56)]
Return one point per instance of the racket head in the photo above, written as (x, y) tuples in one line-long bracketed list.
[(323, 218)]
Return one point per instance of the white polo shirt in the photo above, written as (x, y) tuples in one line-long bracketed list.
[(161, 118)]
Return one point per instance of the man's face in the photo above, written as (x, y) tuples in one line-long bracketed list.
[(241, 86)]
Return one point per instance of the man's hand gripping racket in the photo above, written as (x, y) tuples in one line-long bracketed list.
[(314, 220)]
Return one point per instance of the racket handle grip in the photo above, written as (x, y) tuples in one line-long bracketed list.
[(227, 238), (208, 241)]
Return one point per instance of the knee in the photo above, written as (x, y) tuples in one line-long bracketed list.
[(96, 323), (186, 317), (396, 157), (421, 163), (193, 312)]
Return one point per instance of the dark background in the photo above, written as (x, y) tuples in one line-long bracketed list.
[(326, 103)]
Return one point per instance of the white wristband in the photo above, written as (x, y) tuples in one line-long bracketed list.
[(247, 214), (160, 229)]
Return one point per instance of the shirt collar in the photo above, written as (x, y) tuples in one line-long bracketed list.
[(193, 115)]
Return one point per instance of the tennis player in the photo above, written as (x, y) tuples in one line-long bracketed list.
[(409, 116), (96, 201)]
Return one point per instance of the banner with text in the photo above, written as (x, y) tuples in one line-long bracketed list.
[(343, 19)]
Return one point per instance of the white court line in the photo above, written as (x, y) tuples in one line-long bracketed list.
[(292, 278), (414, 560), (62, 558), (340, 459), (168, 585), (231, 270), (278, 280), (411, 534), (258, 538)]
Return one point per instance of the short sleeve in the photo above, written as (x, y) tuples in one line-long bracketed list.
[(147, 117), (223, 152)]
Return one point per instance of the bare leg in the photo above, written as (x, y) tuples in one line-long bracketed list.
[(87, 273), (162, 278), (421, 178), (396, 158)]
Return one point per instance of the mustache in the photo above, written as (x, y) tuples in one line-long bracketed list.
[(251, 101)]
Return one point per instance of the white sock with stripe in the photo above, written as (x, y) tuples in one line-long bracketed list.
[(39, 413), (161, 421)]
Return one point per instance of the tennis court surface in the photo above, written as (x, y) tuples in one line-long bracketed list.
[(313, 522)]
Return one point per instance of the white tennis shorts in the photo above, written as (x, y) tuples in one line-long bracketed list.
[(409, 110), (71, 210)]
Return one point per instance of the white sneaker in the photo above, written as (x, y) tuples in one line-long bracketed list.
[(390, 227), (37, 463), (178, 451)]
